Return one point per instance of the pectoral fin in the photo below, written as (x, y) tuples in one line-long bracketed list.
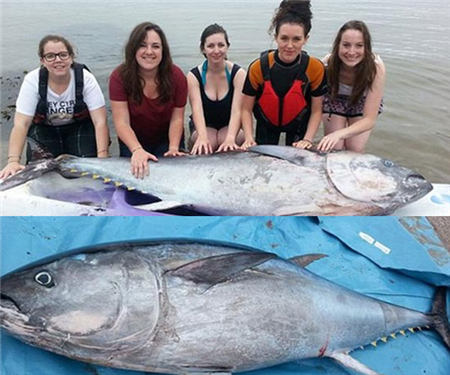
[(350, 362), (298, 209), (160, 206), (217, 269)]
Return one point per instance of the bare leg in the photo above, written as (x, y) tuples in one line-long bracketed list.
[(222, 134), (333, 123), (240, 137), (212, 138), (358, 142)]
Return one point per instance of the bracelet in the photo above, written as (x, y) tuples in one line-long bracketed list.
[(307, 140), (13, 156), (13, 161), (135, 149), (105, 150)]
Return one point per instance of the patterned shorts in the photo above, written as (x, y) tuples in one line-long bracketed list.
[(341, 106)]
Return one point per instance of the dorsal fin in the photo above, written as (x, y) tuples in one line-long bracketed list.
[(219, 268), (291, 154), (305, 260)]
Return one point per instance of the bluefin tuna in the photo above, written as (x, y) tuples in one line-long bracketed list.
[(183, 307), (266, 180)]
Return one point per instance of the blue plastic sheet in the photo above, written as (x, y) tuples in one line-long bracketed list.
[(25, 240), (408, 245)]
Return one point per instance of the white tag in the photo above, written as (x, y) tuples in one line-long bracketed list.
[(383, 248), (366, 237)]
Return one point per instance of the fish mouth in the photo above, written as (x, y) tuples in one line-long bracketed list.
[(15, 321), (417, 181), (7, 303), (11, 315)]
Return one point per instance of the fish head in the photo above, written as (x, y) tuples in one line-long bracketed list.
[(371, 179), (82, 306)]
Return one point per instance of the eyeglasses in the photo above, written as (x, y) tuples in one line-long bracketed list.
[(49, 57)]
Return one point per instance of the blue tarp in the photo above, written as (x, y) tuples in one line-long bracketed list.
[(354, 260)]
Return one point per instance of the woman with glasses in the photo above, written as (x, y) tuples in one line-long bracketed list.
[(61, 106), (148, 94)]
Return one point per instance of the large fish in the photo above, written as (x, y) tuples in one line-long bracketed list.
[(267, 180), (185, 307)]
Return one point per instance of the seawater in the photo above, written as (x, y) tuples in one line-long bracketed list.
[(411, 37)]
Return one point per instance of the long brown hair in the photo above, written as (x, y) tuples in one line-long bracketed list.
[(292, 11), (129, 70), (366, 70)]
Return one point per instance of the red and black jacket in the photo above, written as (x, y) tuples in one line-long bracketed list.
[(294, 107)]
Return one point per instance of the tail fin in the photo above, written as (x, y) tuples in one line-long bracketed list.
[(30, 172), (42, 162), (38, 150), (439, 315)]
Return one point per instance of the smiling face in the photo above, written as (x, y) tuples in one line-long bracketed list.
[(351, 48), (216, 47), (60, 64), (149, 54), (290, 40)]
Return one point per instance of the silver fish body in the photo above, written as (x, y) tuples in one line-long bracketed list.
[(189, 307), (269, 180)]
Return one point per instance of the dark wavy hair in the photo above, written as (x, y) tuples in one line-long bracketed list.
[(211, 30), (366, 70), (292, 11), (55, 38), (129, 70)]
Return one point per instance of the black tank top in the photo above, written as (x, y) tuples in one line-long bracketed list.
[(217, 112)]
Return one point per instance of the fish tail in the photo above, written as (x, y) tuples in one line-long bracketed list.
[(438, 315), (41, 162), (38, 150)]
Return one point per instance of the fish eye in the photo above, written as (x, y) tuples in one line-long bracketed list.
[(44, 278), (388, 163)]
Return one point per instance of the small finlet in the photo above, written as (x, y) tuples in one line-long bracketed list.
[(402, 332), (374, 343), (393, 335), (384, 339), (411, 330)]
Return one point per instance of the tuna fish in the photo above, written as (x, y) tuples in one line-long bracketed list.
[(185, 307), (267, 180)]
